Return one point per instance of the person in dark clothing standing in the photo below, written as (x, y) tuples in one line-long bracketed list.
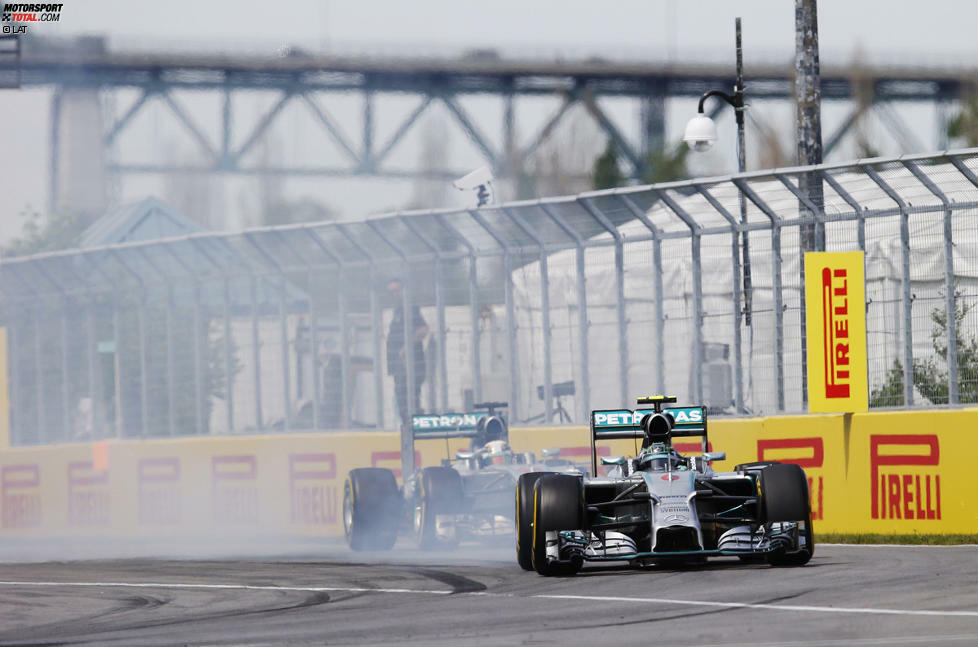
[(397, 356)]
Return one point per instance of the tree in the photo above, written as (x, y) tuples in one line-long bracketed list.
[(930, 377), (606, 173), (664, 165), (964, 125), (61, 230)]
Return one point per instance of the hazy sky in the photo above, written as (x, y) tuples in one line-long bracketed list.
[(939, 32)]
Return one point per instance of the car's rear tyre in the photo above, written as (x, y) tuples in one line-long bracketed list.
[(524, 518), (439, 493), (371, 509), (784, 493), (558, 504)]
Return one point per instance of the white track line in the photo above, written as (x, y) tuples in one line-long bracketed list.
[(773, 607), (586, 598), (241, 587), (858, 642)]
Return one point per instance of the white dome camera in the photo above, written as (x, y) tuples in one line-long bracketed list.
[(700, 133)]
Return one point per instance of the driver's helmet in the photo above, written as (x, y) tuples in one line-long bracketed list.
[(659, 457), (498, 452)]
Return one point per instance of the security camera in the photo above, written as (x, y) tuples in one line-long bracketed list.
[(700, 133), (481, 180), (481, 175)]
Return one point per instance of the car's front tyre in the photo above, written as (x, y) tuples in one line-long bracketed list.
[(524, 518), (785, 498), (558, 504)]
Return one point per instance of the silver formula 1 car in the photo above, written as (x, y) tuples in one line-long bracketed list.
[(661, 506), (468, 497)]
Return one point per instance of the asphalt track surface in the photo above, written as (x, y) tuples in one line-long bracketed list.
[(848, 595)]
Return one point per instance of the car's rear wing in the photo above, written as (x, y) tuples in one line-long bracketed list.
[(447, 425), (611, 424)]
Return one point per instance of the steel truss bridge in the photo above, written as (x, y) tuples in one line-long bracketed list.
[(312, 80)]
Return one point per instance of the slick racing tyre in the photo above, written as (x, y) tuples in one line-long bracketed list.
[(558, 504), (439, 493), (524, 518), (371, 509), (784, 493)]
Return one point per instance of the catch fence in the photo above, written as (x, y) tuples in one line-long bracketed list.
[(556, 306)]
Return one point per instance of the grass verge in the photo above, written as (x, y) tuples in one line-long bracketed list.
[(921, 540)]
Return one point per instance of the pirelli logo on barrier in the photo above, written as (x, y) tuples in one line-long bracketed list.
[(905, 476), (835, 298)]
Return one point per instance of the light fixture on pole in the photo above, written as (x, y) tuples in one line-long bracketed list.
[(701, 134)]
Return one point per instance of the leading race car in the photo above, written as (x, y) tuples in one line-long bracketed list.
[(469, 497), (661, 506)]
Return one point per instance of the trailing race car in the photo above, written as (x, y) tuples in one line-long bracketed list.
[(470, 497), (661, 506)]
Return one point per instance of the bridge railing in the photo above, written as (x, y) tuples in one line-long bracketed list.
[(556, 306)]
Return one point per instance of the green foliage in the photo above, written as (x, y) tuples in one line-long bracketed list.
[(606, 173), (964, 125), (40, 234), (890, 393), (666, 166), (930, 376), (661, 166)]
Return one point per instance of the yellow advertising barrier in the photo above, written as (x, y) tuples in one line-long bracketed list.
[(892, 472), (835, 321)]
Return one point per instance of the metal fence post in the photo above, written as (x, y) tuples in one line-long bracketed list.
[(170, 350), (777, 296), (65, 392), (904, 281), (473, 307), (39, 391), (117, 359), (440, 310), (344, 333), (514, 386), (375, 319), (256, 350), (548, 380), (737, 295), (407, 294), (623, 359), (660, 365), (228, 377), (949, 292), (141, 331), (283, 326), (857, 208), (584, 393), (695, 232), (199, 424)]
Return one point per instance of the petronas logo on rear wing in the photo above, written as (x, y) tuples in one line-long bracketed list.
[(624, 423), (448, 424)]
